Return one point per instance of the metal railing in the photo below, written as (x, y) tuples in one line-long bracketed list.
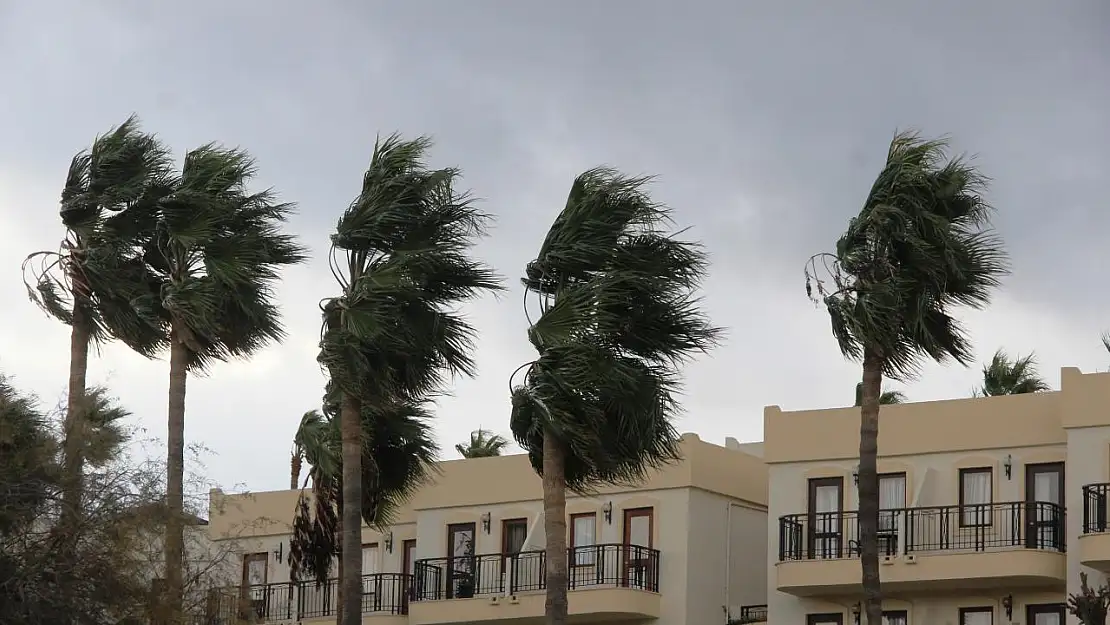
[(752, 614), (463, 577), (1095, 498), (972, 527), (382, 593)]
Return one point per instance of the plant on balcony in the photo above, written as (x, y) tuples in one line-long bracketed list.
[(616, 316), (1011, 376), (1089, 605), (920, 247), (393, 333)]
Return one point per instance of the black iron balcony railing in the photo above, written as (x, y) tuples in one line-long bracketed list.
[(382, 593), (462, 577), (751, 614), (1094, 508), (973, 527)]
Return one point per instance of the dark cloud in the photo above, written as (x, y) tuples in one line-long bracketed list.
[(766, 122)]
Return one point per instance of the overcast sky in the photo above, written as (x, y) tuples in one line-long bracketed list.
[(766, 122)]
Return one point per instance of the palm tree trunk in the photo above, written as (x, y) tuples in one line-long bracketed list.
[(555, 529), (294, 471), (350, 565), (339, 573), (175, 477), (869, 485), (74, 426)]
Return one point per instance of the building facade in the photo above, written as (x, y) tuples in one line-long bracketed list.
[(990, 507), (687, 546)]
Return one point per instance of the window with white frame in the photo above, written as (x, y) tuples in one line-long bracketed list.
[(976, 616)]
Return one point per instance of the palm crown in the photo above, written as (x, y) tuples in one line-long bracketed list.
[(919, 247), (1006, 376), (482, 444), (617, 314)]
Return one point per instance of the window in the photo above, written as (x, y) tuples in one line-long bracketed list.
[(513, 534), (254, 568), (975, 497), (582, 538), (369, 558), (826, 496), (892, 499), (825, 619), (895, 617), (976, 616)]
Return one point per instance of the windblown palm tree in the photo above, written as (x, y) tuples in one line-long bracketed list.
[(92, 280), (392, 336), (1011, 376), (617, 316), (482, 444), (920, 247), (886, 398), (309, 432), (212, 250)]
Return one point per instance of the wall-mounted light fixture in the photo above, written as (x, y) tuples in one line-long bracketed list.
[(855, 475), (1008, 605), (855, 613), (279, 551), (607, 511), (1008, 466), (388, 540), (485, 522)]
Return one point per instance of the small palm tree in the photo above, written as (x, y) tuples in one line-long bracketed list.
[(392, 335), (1011, 376), (886, 398), (482, 444), (920, 247), (92, 280), (618, 314), (212, 252)]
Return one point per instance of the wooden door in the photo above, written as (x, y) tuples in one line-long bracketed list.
[(639, 529)]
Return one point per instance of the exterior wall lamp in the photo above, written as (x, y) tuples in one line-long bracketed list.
[(485, 522), (607, 511), (1008, 466), (388, 541), (279, 551), (855, 613), (855, 475), (1008, 605)]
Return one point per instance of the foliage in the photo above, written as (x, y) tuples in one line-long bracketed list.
[(482, 444), (1011, 376), (1089, 605), (98, 267), (399, 453), (618, 315)]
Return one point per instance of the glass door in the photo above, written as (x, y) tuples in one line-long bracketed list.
[(1052, 614), (460, 561), (826, 496), (1044, 484), (638, 530)]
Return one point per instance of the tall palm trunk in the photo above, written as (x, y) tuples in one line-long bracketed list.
[(295, 470), (350, 565), (175, 477), (339, 575), (869, 485), (74, 426), (555, 529)]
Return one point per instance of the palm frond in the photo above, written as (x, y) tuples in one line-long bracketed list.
[(618, 316), (482, 444), (920, 247), (1012, 376)]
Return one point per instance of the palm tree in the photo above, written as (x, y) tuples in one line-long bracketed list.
[(618, 315), (212, 251), (308, 432), (1006, 376), (393, 334), (920, 247), (482, 444), (27, 471), (91, 281), (886, 398)]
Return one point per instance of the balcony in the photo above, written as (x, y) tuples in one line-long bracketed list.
[(750, 614), (383, 594), (1094, 541), (1016, 545), (606, 582)]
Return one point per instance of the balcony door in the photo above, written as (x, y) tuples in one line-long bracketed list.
[(1051, 614), (826, 499), (892, 504), (1044, 484), (460, 561), (638, 530)]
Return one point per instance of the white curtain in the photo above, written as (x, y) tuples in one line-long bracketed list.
[(1046, 487), (1047, 619), (583, 537), (369, 559), (978, 618), (976, 491), (892, 496), (894, 618)]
